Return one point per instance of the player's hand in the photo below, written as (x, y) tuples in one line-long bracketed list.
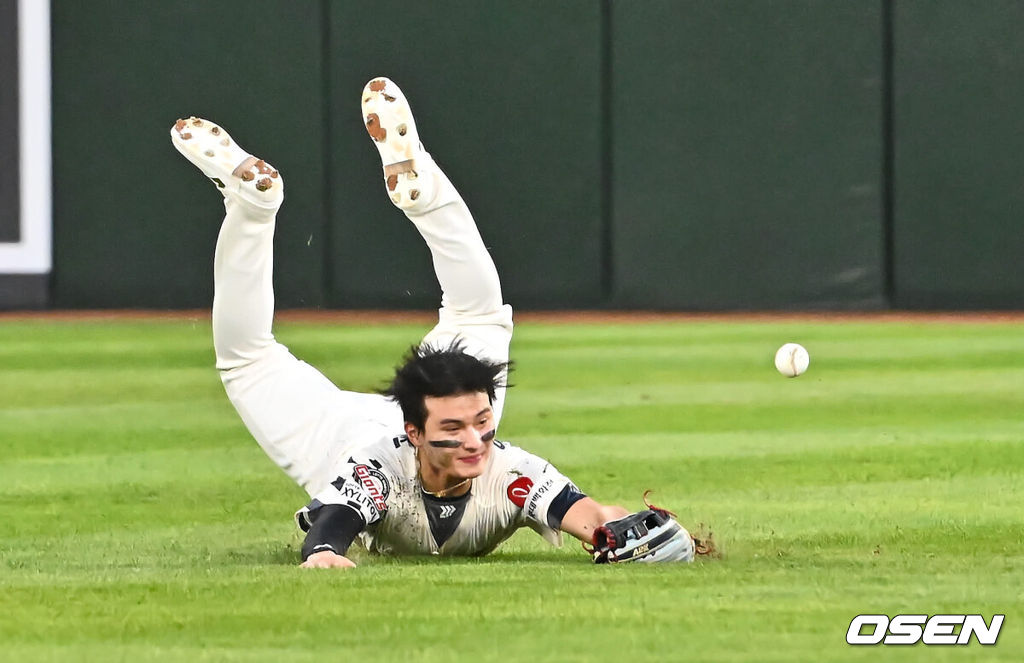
[(328, 559)]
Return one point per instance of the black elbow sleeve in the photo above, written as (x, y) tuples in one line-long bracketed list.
[(334, 528)]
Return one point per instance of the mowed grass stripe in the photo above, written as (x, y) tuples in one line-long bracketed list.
[(914, 411), (45, 474), (153, 426), (97, 386)]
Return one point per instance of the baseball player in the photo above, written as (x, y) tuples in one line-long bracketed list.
[(418, 469)]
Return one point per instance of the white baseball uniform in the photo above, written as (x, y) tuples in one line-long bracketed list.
[(321, 435), (381, 482)]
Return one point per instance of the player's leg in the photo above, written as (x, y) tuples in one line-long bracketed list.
[(296, 414), (471, 302)]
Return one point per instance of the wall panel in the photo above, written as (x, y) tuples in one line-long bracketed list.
[(135, 223), (747, 154), (958, 75), (507, 99)]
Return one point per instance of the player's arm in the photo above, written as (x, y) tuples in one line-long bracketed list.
[(612, 533), (334, 527), (551, 501), (586, 515), (334, 518)]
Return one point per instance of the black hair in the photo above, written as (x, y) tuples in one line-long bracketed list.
[(429, 370)]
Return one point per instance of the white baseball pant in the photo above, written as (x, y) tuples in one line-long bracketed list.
[(301, 419)]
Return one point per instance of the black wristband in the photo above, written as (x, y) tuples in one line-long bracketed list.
[(560, 505), (334, 528)]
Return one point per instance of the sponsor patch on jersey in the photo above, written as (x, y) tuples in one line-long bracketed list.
[(375, 483), (518, 490), (534, 505)]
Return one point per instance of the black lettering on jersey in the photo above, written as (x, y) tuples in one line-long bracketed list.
[(357, 498), (499, 444), (338, 483), (531, 508), (397, 441), (375, 463)]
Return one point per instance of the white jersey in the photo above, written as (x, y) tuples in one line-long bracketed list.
[(381, 482)]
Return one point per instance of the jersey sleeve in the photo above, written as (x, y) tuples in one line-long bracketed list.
[(542, 492), (363, 484)]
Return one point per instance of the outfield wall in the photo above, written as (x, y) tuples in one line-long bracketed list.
[(665, 154)]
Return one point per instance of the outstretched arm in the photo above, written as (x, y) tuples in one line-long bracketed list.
[(586, 515), (327, 541), (651, 535)]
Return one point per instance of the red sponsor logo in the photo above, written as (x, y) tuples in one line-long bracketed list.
[(519, 489), (375, 484)]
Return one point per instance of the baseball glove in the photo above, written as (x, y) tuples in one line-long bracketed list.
[(651, 535)]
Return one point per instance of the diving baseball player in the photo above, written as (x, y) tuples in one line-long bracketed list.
[(417, 469)]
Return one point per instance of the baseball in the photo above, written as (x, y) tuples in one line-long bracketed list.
[(792, 360)]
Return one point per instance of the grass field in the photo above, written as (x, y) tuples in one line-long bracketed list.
[(139, 521)]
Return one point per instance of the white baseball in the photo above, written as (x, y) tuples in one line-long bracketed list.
[(792, 360)]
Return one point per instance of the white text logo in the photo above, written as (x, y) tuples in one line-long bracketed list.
[(934, 630)]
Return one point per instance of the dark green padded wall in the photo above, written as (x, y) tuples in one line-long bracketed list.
[(135, 223), (740, 163), (747, 154), (507, 99), (958, 76)]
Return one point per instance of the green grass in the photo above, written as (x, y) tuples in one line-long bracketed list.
[(138, 520)]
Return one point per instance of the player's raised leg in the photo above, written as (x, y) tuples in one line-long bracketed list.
[(296, 414), (471, 302)]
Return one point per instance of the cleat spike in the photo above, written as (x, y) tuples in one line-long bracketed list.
[(390, 124), (213, 152)]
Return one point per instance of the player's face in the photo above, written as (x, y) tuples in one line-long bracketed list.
[(456, 437)]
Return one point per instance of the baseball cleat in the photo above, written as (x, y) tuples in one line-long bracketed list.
[(211, 149), (390, 123)]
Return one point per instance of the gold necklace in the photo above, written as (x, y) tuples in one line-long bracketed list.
[(440, 493), (437, 493)]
